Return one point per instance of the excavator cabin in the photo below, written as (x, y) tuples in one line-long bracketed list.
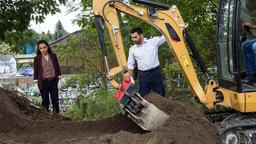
[(236, 54)]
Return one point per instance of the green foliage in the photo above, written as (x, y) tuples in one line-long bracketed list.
[(172, 69), (5, 48), (82, 53), (96, 107), (177, 87), (174, 81), (67, 52), (47, 36), (42, 8), (83, 79), (59, 30), (16, 15), (24, 64), (250, 4), (17, 40)]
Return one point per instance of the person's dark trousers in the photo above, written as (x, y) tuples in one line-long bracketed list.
[(50, 87), (151, 80), (249, 57)]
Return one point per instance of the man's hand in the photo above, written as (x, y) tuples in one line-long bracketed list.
[(130, 71), (127, 74), (249, 25)]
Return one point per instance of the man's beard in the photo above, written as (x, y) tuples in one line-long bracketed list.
[(137, 42)]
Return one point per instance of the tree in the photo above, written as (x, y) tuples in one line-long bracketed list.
[(47, 36), (5, 48), (80, 53), (59, 30), (18, 40), (67, 52), (15, 15)]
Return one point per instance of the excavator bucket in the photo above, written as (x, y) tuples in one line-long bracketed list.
[(150, 117), (142, 112)]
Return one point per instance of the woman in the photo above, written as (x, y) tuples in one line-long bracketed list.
[(47, 73)]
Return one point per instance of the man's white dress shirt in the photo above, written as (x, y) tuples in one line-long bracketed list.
[(146, 54)]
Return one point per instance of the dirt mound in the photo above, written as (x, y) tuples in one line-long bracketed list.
[(16, 113), (22, 123), (186, 124), (10, 118)]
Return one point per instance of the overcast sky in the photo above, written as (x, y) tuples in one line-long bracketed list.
[(51, 20)]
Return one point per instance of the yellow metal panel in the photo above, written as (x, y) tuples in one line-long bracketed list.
[(250, 102), (237, 101), (231, 100)]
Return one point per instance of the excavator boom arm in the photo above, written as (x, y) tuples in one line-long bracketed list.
[(169, 22)]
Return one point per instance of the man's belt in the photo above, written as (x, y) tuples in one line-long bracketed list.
[(150, 70)]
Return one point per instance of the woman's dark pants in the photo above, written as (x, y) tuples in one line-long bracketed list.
[(50, 86)]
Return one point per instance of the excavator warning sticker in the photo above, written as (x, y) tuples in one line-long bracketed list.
[(184, 61)]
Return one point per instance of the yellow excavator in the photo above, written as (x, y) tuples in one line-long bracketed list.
[(232, 98)]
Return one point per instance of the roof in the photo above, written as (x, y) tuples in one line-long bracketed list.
[(64, 37)]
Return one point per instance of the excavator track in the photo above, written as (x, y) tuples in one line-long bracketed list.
[(218, 114), (238, 128)]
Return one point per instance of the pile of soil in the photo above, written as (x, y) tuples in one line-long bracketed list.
[(23, 123), (186, 125)]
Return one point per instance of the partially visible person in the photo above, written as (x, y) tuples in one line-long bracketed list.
[(145, 52), (47, 74), (249, 25), (249, 52), (249, 55)]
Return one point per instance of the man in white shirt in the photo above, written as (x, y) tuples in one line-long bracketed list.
[(145, 52)]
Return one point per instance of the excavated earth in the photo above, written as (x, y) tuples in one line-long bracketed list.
[(21, 123)]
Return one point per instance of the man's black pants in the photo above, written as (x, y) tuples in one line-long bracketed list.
[(50, 87), (151, 80)]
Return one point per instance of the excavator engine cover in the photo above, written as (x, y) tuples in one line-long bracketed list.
[(142, 112)]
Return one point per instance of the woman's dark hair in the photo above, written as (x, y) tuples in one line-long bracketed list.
[(43, 42), (137, 29)]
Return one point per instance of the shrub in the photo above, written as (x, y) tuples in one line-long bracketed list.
[(99, 105)]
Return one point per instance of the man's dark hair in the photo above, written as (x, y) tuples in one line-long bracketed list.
[(137, 29)]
